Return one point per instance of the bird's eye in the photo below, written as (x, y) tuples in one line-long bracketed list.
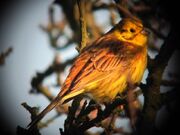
[(132, 30)]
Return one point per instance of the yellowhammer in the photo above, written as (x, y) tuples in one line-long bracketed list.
[(107, 66)]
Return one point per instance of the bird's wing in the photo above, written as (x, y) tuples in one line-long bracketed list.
[(94, 64)]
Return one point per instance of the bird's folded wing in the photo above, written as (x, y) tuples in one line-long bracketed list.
[(94, 64)]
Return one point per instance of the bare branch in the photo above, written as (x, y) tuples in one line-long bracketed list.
[(32, 110), (3, 55), (35, 131), (38, 79), (81, 7), (152, 95)]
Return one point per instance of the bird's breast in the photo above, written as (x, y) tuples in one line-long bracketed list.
[(137, 69)]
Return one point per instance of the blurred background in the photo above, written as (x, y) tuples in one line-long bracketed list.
[(39, 41), (20, 30)]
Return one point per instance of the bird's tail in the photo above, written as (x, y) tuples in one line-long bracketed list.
[(52, 105)]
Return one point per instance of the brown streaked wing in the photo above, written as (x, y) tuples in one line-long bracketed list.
[(75, 69), (94, 64)]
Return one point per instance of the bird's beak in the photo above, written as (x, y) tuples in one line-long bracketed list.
[(145, 31)]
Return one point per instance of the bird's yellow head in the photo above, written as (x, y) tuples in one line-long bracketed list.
[(131, 31)]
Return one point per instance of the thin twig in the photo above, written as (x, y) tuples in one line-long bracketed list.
[(102, 114), (38, 79), (35, 131), (32, 110), (124, 12), (81, 7), (3, 55), (51, 14)]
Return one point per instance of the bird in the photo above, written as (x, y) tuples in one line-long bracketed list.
[(106, 67)]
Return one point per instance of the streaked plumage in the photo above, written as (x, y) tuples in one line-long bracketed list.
[(107, 66)]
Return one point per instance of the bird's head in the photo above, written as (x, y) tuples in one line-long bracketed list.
[(132, 31)]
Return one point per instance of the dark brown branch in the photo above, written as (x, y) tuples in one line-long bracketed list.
[(152, 91), (78, 122), (68, 7), (94, 31), (51, 14), (124, 12), (150, 62), (35, 131), (59, 28), (102, 114), (81, 6), (37, 86), (3, 55), (38, 79), (156, 32), (32, 110)]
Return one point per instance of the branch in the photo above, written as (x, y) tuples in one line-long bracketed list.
[(124, 12), (81, 7), (3, 55), (44, 91), (94, 31), (68, 7), (102, 114), (156, 32), (78, 121), (54, 30), (32, 110), (51, 15), (35, 131), (38, 79), (152, 97), (37, 86)]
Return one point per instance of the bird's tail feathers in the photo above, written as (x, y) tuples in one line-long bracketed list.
[(53, 104), (72, 95)]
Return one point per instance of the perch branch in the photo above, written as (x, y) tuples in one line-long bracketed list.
[(78, 123), (102, 114)]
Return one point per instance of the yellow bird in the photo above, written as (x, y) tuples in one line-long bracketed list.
[(106, 67)]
